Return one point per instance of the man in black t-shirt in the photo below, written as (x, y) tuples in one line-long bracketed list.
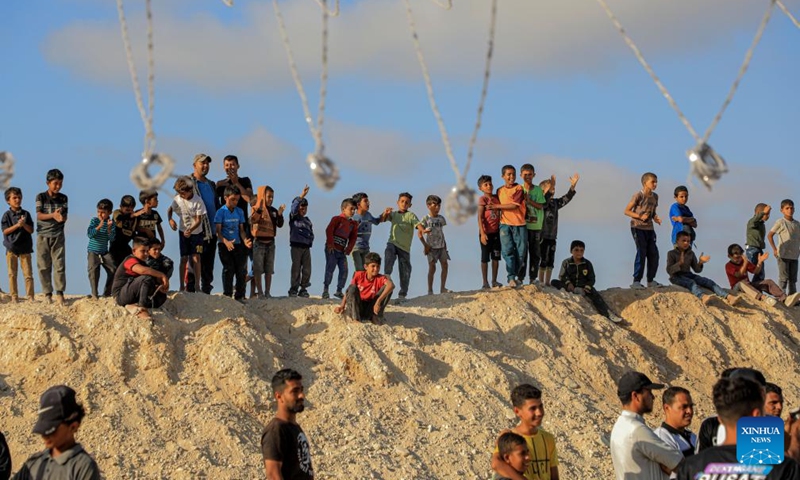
[(735, 398), (284, 445)]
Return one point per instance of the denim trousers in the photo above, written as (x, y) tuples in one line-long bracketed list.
[(394, 253), (514, 247), (693, 282), (333, 260)]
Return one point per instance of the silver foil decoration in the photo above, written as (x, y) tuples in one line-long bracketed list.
[(461, 204), (145, 179), (325, 172), (706, 164)]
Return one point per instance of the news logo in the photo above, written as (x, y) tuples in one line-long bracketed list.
[(759, 440)]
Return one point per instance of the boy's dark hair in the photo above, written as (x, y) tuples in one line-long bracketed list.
[(407, 195), (735, 398), (105, 205), (232, 158), (760, 207), (54, 174), (577, 243), (524, 392), (303, 202), (267, 188), (508, 441), (152, 242), (682, 234), (787, 201), (679, 189), (508, 167), (483, 179), (127, 201), (734, 247), (146, 195), (647, 176), (13, 191), (141, 242), (772, 388), (433, 199), (727, 372), (527, 168), (372, 257), (282, 376), (669, 394), (348, 202), (359, 196), (231, 190), (183, 183)]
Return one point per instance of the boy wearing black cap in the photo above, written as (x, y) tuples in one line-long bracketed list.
[(60, 417), (636, 451)]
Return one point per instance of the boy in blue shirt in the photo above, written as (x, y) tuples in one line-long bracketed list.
[(233, 243), (18, 240), (681, 217), (365, 222), (101, 232)]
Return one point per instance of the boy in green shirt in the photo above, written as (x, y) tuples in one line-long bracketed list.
[(534, 218), (399, 246)]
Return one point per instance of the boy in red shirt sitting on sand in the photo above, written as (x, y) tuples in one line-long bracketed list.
[(368, 294)]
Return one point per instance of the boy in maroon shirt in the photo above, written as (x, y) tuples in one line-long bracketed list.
[(488, 231), (340, 239)]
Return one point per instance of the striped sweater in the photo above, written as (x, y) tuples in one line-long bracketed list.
[(99, 239)]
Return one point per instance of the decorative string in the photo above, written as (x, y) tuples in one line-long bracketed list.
[(6, 170), (332, 13), (460, 177), (788, 13)]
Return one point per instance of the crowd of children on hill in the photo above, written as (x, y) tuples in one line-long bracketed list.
[(517, 222)]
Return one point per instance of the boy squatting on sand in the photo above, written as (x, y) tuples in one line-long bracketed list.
[(368, 294)]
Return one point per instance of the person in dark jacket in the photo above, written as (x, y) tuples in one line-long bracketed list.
[(550, 224), (577, 276), (5, 459), (301, 237), (681, 261)]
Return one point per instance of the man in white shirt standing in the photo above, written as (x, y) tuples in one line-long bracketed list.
[(636, 452), (678, 414)]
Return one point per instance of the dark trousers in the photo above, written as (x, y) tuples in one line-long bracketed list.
[(139, 291), (593, 295), (234, 265), (394, 253), (548, 253), (207, 259), (531, 263), (646, 252), (51, 261), (94, 262), (363, 310), (335, 259), (787, 275), (752, 254), (301, 269)]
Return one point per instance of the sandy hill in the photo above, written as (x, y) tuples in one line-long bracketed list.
[(421, 397)]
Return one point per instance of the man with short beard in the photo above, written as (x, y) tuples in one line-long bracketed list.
[(678, 414), (636, 451), (773, 405), (284, 445)]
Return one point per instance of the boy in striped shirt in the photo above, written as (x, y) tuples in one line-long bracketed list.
[(101, 232)]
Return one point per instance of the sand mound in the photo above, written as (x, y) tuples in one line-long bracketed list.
[(422, 397)]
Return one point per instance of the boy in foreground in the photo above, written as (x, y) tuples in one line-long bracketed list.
[(528, 406), (514, 451), (60, 417), (369, 293)]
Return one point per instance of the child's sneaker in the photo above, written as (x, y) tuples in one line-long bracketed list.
[(496, 284), (303, 293), (637, 286), (792, 299), (325, 294), (338, 294), (769, 300), (292, 293), (486, 286), (655, 284), (732, 300), (614, 318)]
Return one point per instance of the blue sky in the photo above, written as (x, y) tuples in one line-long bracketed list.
[(566, 95)]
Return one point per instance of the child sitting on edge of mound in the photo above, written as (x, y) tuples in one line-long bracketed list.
[(738, 269), (577, 276), (681, 261)]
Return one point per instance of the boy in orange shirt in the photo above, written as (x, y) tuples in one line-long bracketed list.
[(513, 227)]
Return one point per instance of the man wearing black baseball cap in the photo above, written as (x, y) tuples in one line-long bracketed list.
[(636, 451), (60, 417)]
